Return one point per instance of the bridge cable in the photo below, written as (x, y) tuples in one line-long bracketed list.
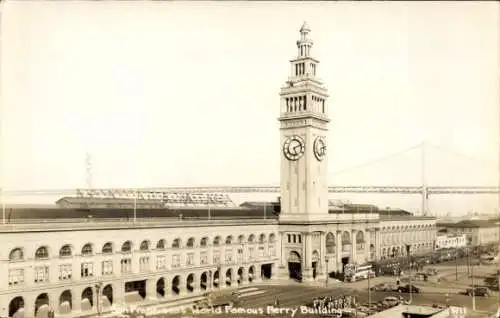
[(371, 162), (461, 154)]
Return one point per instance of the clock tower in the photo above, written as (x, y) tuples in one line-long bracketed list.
[(304, 130)]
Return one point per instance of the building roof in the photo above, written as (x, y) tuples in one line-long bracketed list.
[(14, 215), (402, 311), (123, 208), (470, 224)]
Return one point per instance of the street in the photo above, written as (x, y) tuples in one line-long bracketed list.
[(256, 299), (291, 297)]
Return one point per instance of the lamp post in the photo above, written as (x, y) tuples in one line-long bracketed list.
[(98, 287), (410, 287), (473, 287), (327, 273), (369, 291)]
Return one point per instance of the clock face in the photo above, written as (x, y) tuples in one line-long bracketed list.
[(319, 148), (294, 148)]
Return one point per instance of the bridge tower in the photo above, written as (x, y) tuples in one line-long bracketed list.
[(304, 128)]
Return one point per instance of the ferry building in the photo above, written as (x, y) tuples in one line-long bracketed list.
[(89, 254)]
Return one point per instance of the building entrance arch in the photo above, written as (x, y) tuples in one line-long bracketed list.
[(107, 296), (314, 265), (16, 307), (42, 306), (204, 281), (295, 266), (65, 300)]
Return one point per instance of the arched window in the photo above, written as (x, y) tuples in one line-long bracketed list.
[(229, 240), (251, 238), (330, 243), (360, 240), (16, 254), (217, 240), (241, 239), (190, 242), (127, 247), (262, 238), (65, 251), (144, 245), (87, 249), (346, 238), (176, 243), (161, 244), (107, 248), (41, 253), (204, 242)]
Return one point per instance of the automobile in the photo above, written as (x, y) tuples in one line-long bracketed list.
[(391, 301), (478, 291), (406, 289), (382, 287), (491, 282)]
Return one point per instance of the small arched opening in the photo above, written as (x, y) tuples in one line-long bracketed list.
[(107, 296), (229, 277), (190, 282), (204, 281), (176, 285), (251, 274), (87, 299), (241, 271), (160, 287), (216, 279)]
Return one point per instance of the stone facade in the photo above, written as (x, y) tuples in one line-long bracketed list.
[(450, 241), (65, 265), (51, 266)]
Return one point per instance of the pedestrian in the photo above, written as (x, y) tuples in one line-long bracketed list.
[(276, 302)]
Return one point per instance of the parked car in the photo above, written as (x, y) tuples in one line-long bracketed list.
[(406, 289), (478, 291), (491, 282), (382, 287), (391, 301)]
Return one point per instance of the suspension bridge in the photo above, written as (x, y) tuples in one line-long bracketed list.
[(423, 189)]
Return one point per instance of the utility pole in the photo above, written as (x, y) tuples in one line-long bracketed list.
[(408, 252), (327, 273), (473, 289), (423, 180), (468, 262), (369, 292)]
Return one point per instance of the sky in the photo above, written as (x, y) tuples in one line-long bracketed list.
[(187, 93)]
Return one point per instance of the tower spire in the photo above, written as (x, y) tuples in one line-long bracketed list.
[(304, 44)]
